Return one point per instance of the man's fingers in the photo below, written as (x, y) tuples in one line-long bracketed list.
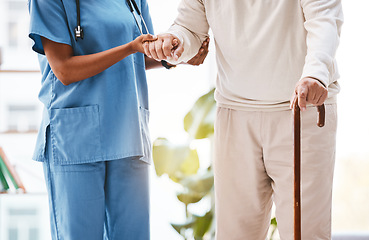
[(293, 100), (152, 50), (146, 49), (316, 96), (202, 61), (199, 58), (322, 98), (159, 50), (175, 43), (205, 44), (167, 47), (178, 52), (311, 97), (302, 99)]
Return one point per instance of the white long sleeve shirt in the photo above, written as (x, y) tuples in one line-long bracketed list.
[(263, 47)]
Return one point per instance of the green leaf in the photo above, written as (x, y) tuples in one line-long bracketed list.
[(199, 224), (202, 224), (200, 183), (273, 222), (188, 224), (196, 187), (273, 225), (199, 121), (188, 197), (178, 161)]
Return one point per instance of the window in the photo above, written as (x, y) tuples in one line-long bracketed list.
[(12, 34), (13, 234), (23, 118), (23, 224)]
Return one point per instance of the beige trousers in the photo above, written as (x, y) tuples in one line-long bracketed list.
[(253, 166)]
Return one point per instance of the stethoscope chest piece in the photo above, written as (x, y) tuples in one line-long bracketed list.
[(78, 32)]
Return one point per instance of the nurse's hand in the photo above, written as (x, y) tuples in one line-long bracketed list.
[(309, 90), (137, 44), (166, 47), (201, 55)]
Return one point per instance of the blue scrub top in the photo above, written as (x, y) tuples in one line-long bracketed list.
[(104, 117)]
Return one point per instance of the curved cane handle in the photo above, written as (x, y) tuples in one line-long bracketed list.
[(321, 115), (320, 109)]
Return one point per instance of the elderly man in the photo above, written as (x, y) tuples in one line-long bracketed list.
[(266, 51)]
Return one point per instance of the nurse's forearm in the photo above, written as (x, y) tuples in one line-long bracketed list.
[(78, 68), (69, 68)]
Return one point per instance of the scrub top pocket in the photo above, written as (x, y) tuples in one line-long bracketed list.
[(75, 135), (146, 142)]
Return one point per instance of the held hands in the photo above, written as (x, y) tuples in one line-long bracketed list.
[(137, 44), (309, 90), (166, 47)]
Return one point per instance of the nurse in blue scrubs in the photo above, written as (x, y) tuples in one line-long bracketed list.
[(94, 141)]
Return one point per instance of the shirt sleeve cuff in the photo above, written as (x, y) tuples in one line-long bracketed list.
[(191, 43), (318, 67)]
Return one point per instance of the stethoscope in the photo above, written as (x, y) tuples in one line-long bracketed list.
[(78, 31)]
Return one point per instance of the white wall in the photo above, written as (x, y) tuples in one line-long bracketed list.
[(351, 185)]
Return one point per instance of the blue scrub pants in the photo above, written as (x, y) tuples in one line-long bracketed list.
[(95, 201)]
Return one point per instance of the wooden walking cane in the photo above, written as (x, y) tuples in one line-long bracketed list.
[(297, 163)]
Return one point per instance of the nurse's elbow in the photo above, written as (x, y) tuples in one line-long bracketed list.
[(63, 76), (64, 80), (65, 83)]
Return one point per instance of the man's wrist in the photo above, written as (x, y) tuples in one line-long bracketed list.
[(320, 81), (316, 79)]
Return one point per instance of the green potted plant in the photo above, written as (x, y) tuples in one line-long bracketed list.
[(181, 163)]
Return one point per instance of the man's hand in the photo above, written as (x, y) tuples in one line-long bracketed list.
[(201, 55), (166, 47), (309, 90), (137, 44)]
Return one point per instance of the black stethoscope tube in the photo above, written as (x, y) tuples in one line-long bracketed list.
[(78, 31), (139, 14)]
